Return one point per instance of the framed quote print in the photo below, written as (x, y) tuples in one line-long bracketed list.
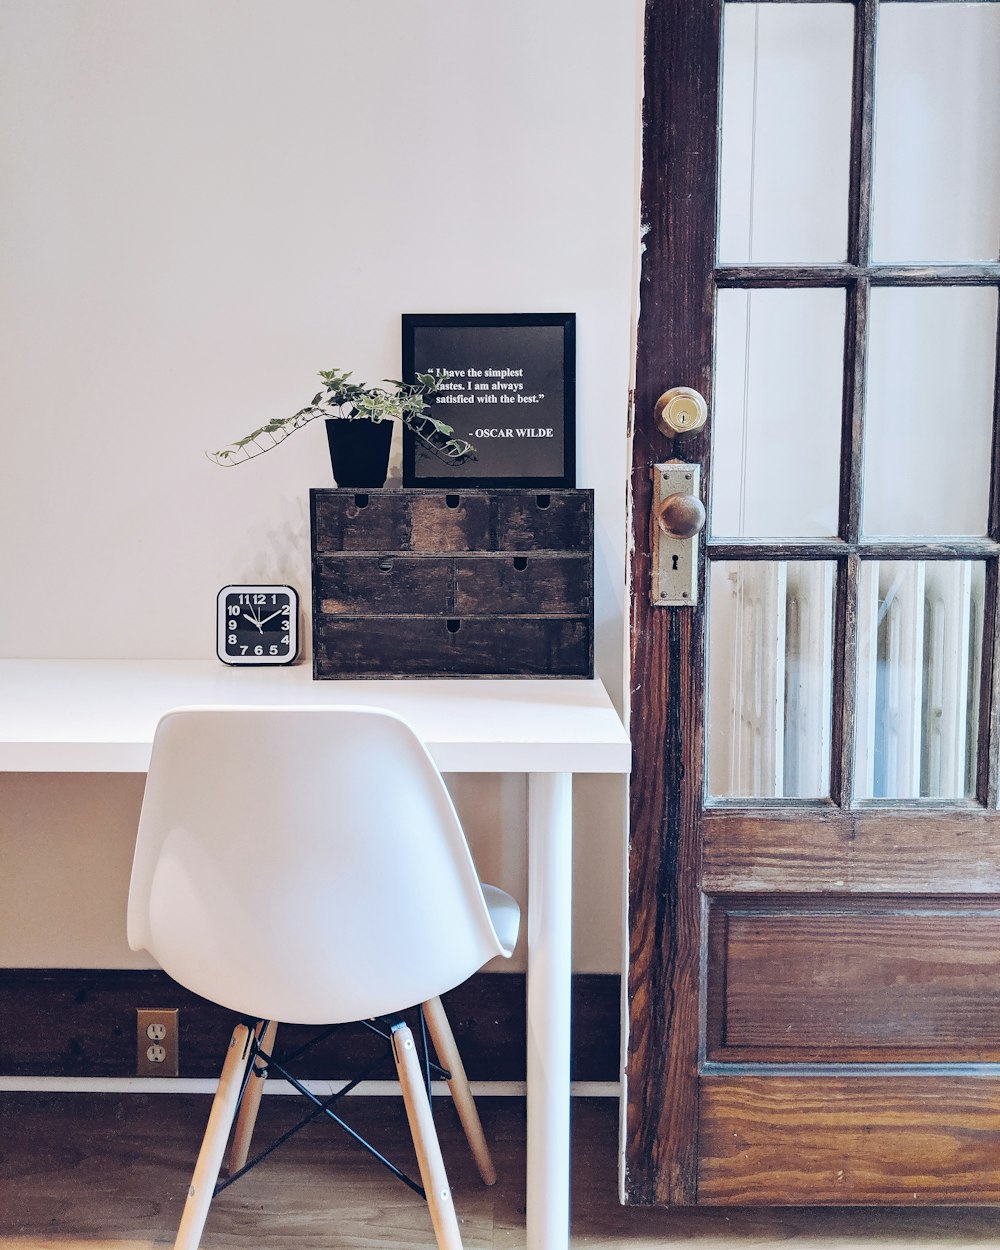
[(511, 393)]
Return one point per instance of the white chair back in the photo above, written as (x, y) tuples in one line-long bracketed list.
[(304, 864)]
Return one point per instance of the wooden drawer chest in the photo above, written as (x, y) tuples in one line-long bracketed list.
[(441, 583)]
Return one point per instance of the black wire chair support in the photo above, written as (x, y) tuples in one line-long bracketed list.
[(261, 1064)]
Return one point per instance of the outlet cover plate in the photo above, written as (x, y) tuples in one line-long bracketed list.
[(155, 1033)]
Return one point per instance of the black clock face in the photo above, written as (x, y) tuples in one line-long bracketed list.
[(258, 625)]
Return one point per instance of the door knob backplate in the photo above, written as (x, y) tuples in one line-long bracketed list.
[(678, 517)]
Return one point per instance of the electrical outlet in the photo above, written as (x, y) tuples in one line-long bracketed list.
[(156, 1051)]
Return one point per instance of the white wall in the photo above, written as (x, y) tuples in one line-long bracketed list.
[(206, 204)]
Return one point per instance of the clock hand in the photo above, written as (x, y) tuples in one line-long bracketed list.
[(252, 617), (271, 617)]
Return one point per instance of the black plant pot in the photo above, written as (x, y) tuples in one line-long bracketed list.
[(359, 451)]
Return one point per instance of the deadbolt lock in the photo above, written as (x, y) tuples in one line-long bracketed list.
[(680, 410), (678, 519)]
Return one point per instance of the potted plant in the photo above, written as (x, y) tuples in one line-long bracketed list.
[(359, 427)]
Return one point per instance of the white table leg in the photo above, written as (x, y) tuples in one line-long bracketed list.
[(550, 891)]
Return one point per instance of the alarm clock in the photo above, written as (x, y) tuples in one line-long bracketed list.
[(257, 625)]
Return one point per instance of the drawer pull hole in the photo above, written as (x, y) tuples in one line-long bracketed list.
[(454, 627), (385, 563), (543, 501), (520, 563), (361, 501), (453, 500)]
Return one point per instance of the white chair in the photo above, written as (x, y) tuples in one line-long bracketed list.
[(307, 866)]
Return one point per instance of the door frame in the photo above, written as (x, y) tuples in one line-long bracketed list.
[(673, 348)]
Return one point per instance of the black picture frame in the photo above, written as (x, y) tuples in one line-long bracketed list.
[(513, 374)]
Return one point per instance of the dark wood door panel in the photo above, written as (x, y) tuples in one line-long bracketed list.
[(900, 1140), (854, 981), (826, 849), (787, 955)]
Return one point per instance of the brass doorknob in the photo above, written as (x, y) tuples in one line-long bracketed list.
[(680, 516)]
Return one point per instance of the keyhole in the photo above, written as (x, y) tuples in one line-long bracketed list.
[(673, 563)]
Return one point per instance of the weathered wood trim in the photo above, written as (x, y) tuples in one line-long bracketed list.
[(837, 549), (988, 757), (988, 781), (845, 669), (862, 134), (852, 451), (855, 1), (916, 850), (850, 1140), (859, 980), (795, 276), (674, 347), (81, 1022)]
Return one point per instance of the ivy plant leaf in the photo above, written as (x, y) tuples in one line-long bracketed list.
[(406, 402)]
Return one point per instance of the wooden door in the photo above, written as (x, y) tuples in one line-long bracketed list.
[(814, 897)]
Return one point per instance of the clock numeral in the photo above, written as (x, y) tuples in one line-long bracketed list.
[(232, 639), (244, 650), (258, 598), (284, 640), (258, 650), (233, 624), (272, 650), (286, 610)]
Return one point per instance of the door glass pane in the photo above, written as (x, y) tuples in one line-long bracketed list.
[(920, 627), (786, 132), (777, 413), (936, 191), (931, 371), (769, 678)]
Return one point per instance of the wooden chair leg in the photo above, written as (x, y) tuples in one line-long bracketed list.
[(418, 1113), (246, 1118), (465, 1104), (220, 1121)]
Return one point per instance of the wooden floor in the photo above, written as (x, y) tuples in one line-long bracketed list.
[(109, 1172)]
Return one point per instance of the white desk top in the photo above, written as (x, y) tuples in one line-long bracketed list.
[(99, 715)]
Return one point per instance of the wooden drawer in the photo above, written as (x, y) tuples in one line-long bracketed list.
[(557, 521), (345, 585), (522, 583), (419, 646), (453, 522), (435, 583), (359, 521), (401, 521)]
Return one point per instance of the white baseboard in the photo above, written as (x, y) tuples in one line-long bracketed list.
[(323, 1089)]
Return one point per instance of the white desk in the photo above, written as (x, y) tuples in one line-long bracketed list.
[(99, 716)]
